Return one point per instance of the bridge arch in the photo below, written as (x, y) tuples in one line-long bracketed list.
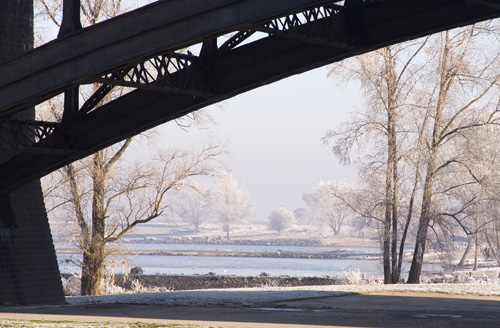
[(298, 35)]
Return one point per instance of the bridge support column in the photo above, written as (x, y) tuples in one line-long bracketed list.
[(29, 273)]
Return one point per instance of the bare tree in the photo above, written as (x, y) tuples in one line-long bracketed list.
[(280, 219), (108, 200), (193, 207), (424, 100), (327, 204), (462, 99), (387, 77), (230, 203), (481, 226)]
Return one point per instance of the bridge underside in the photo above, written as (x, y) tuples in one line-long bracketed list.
[(242, 45)]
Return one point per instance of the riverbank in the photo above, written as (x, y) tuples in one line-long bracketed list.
[(331, 255), (141, 283), (172, 283)]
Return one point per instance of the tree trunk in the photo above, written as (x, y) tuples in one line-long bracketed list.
[(425, 215), (386, 234), (386, 243), (476, 255), (466, 253), (409, 216), (390, 220), (93, 260), (418, 255), (92, 265), (394, 234), (423, 225)]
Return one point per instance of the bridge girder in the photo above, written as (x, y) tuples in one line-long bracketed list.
[(154, 29), (303, 35)]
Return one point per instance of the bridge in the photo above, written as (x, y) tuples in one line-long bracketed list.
[(232, 46), (245, 44)]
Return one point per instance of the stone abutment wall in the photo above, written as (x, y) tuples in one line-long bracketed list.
[(29, 273)]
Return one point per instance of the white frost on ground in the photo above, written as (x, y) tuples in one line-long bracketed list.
[(18, 323), (253, 297), (259, 296)]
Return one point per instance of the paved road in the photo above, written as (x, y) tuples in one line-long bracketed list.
[(409, 310)]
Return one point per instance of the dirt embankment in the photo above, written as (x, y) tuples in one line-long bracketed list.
[(212, 282)]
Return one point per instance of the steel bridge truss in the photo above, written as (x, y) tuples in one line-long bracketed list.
[(32, 137), (170, 73), (172, 83)]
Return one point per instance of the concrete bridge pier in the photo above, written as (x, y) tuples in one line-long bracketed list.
[(29, 273)]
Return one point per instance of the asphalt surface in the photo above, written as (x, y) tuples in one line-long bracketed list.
[(412, 310)]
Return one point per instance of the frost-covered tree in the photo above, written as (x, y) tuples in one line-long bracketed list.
[(375, 139), (327, 204), (107, 198), (463, 98), (425, 100), (193, 206), (301, 215), (480, 219), (280, 220), (231, 203)]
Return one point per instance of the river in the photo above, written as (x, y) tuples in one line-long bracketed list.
[(240, 266)]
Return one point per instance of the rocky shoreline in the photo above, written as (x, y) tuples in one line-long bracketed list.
[(194, 282)]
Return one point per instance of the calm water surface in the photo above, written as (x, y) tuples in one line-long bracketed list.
[(241, 266)]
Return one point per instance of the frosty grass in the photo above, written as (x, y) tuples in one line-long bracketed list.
[(10, 323)]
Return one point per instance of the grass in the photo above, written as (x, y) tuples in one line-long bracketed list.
[(18, 323)]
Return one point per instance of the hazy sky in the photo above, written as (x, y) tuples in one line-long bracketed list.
[(274, 135)]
